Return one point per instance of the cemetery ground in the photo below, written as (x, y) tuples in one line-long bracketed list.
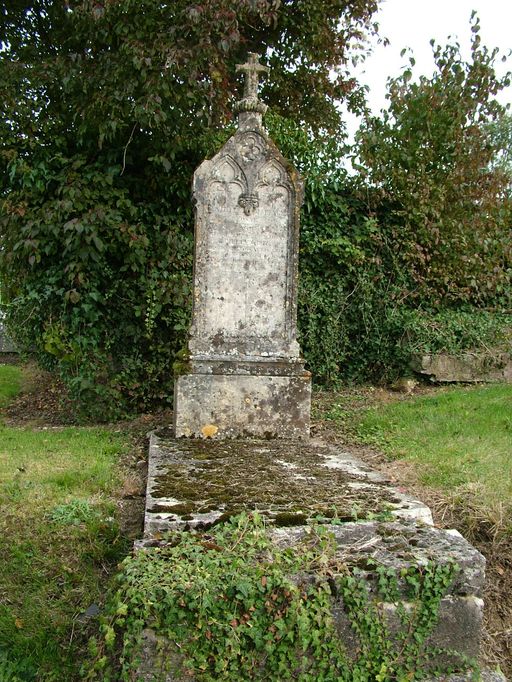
[(72, 500)]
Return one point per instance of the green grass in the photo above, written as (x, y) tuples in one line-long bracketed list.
[(459, 438), (48, 466), (10, 382), (58, 542)]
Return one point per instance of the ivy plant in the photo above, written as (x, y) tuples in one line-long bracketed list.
[(230, 604)]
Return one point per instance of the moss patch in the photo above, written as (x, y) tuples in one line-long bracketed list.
[(289, 482)]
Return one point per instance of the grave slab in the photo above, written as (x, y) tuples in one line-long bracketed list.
[(194, 484), (197, 482)]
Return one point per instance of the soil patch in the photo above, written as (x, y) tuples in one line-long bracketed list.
[(43, 402), (9, 359)]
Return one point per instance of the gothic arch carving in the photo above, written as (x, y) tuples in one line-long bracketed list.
[(227, 182), (273, 186)]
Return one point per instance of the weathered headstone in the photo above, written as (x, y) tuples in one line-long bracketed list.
[(246, 375)]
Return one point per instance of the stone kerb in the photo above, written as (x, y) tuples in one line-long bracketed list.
[(468, 367)]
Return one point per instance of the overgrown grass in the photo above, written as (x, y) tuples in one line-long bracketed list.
[(10, 383), (459, 439), (58, 542)]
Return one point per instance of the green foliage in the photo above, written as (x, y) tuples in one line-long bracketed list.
[(14, 671), (103, 280), (440, 199), (344, 326), (414, 253), (453, 331), (500, 132), (74, 512), (231, 605), (107, 109)]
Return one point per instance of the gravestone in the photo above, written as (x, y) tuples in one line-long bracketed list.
[(245, 374)]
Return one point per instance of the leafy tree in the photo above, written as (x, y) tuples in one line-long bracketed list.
[(107, 107), (413, 254), (500, 132), (442, 203)]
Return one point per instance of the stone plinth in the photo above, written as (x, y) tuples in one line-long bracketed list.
[(246, 376), (229, 406), (6, 345)]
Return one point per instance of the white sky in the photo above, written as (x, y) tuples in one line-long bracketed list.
[(412, 23)]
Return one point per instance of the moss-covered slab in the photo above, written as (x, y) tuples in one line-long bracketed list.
[(195, 483)]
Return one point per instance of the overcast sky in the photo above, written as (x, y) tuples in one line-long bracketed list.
[(412, 23)]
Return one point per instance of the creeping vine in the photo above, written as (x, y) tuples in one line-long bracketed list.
[(230, 604)]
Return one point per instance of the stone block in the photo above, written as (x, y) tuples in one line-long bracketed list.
[(483, 676), (158, 660), (6, 345), (456, 635), (469, 367), (234, 406), (194, 483), (401, 544)]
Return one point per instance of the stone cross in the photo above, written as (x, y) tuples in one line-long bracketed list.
[(251, 70)]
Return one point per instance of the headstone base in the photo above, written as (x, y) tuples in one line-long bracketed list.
[(235, 406), (6, 345)]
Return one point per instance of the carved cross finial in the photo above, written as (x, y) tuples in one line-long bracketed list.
[(251, 70)]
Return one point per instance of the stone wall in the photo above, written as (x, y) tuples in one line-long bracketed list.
[(469, 367)]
